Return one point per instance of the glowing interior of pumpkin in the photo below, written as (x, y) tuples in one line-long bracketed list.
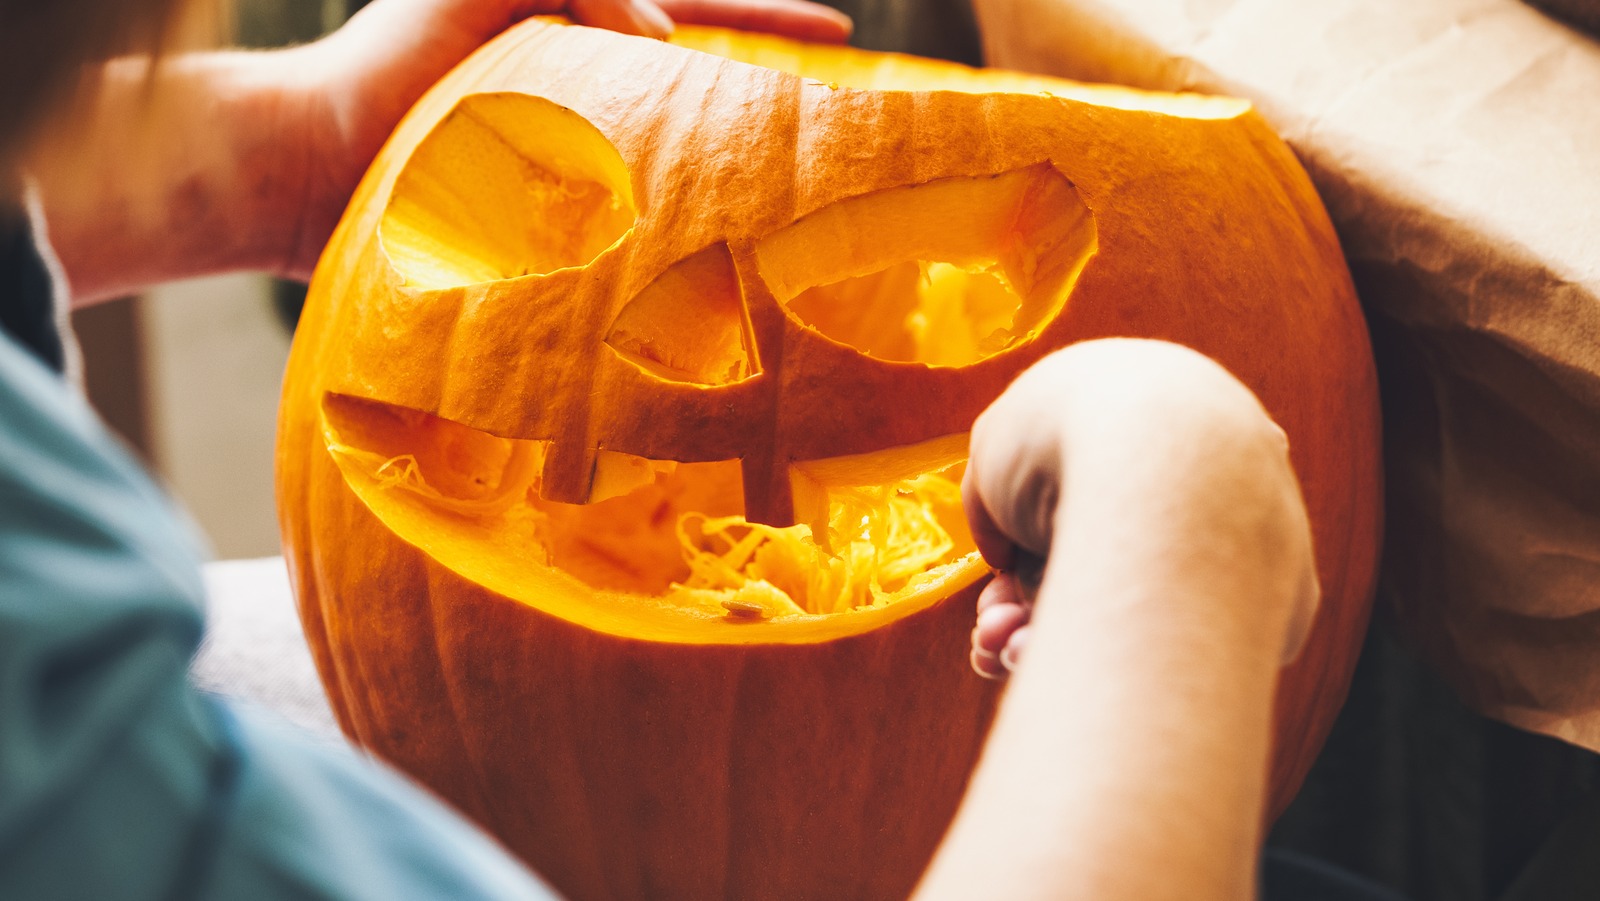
[(945, 273), (499, 194), (666, 556)]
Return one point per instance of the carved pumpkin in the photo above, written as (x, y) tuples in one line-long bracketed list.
[(620, 437)]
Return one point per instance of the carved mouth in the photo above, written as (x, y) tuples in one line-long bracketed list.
[(664, 534)]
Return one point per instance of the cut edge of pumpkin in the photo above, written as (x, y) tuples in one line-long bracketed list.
[(505, 186), (662, 551), (900, 283)]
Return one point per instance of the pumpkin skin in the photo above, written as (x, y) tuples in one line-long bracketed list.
[(630, 749)]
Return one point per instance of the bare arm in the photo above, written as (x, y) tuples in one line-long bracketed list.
[(186, 175), (245, 161), (1130, 754)]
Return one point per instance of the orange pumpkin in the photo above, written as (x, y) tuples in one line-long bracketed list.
[(620, 436)]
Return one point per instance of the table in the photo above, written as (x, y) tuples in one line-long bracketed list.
[(254, 651)]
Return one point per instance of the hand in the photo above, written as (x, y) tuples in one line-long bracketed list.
[(1153, 435), (364, 77), (222, 162), (1177, 577)]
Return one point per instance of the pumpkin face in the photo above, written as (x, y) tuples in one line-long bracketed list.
[(621, 436)]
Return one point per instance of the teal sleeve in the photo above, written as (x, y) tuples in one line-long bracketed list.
[(117, 779)]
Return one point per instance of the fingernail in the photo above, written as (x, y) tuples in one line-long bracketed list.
[(996, 617), (650, 19), (986, 666), (1011, 654)]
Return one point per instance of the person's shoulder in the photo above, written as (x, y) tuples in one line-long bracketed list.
[(310, 818), (83, 526)]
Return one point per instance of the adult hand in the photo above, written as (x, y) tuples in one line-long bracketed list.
[(1150, 433), (362, 79), (220, 162)]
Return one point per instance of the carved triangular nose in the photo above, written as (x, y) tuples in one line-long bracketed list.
[(707, 321)]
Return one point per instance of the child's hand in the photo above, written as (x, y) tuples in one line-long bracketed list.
[(1005, 608), (1177, 577), (1141, 439)]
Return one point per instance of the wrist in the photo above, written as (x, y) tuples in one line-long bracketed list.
[(268, 111), (1171, 468), (190, 169), (1204, 503)]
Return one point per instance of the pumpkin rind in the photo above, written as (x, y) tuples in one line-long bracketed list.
[(775, 758)]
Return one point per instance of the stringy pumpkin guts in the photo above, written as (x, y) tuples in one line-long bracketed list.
[(885, 538)]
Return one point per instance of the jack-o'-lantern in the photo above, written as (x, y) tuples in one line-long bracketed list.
[(621, 437)]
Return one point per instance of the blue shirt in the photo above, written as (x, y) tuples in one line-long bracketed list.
[(118, 780)]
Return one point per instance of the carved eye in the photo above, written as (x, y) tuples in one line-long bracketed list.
[(506, 185), (944, 273), (689, 324)]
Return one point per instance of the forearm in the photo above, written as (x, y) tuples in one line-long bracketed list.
[(1130, 754), (1129, 758), (185, 173)]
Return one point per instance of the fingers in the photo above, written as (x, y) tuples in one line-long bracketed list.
[(1011, 656), (790, 18), (1004, 611), (640, 17), (1010, 492), (1003, 589)]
